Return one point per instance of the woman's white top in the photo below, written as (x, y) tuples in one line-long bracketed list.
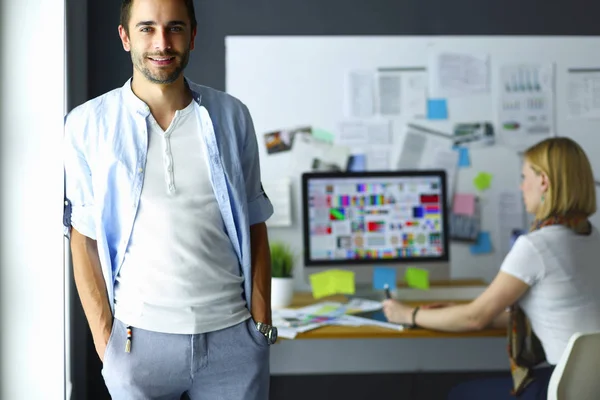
[(563, 271)]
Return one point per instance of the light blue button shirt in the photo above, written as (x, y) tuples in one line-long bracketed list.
[(106, 143)]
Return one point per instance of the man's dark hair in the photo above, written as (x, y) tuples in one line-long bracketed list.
[(126, 13)]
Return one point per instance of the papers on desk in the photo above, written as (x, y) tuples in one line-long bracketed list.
[(290, 322)]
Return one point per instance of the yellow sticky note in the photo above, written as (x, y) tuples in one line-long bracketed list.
[(332, 282), (343, 281), (321, 285), (482, 181), (417, 278)]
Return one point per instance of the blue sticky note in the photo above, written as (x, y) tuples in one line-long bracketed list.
[(358, 163), (483, 244), (437, 109), (383, 276), (464, 159)]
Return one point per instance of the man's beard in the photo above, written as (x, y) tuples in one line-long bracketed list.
[(162, 77)]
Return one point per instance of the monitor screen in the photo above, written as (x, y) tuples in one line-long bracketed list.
[(367, 217)]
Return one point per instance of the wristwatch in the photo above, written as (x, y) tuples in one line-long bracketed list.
[(269, 331)]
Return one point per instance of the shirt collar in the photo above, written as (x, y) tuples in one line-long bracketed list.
[(142, 108)]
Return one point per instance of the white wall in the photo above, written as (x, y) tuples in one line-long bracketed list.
[(32, 347)]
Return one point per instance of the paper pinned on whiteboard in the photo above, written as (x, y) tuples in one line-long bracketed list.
[(311, 154), (511, 217), (279, 194), (360, 94), (402, 91), (379, 132), (526, 104), (422, 150), (389, 90), (442, 157), (378, 158), (412, 152), (458, 74), (353, 133), (414, 93), (371, 140), (363, 133), (583, 93)]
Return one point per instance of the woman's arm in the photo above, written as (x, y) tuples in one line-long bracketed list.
[(504, 291), (501, 321)]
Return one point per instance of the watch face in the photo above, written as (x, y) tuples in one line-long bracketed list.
[(273, 335)]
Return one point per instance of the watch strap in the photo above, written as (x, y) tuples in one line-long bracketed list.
[(267, 331), (414, 316)]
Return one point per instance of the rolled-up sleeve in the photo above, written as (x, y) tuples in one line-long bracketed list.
[(260, 208), (78, 178)]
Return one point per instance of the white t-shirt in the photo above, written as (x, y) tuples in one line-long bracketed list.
[(563, 270), (180, 273)]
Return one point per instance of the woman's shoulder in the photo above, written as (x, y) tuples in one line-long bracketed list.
[(559, 235)]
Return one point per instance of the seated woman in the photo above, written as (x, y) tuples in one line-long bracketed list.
[(552, 272)]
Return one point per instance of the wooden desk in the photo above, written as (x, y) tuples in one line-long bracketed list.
[(303, 299), (372, 350)]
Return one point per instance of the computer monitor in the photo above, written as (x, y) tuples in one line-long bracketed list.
[(357, 220)]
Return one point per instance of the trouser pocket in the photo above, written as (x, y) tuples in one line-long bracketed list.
[(120, 339)]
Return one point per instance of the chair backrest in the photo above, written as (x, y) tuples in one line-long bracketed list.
[(577, 375)]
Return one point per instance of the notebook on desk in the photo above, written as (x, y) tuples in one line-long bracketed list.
[(374, 315), (377, 317)]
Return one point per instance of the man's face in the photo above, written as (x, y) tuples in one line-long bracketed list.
[(160, 39)]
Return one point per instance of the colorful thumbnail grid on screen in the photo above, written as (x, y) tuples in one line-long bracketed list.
[(376, 219)]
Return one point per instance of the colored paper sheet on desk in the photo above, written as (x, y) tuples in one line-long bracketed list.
[(464, 204), (464, 159), (482, 181), (357, 305), (437, 109), (327, 309), (483, 245), (384, 276), (417, 278), (332, 282)]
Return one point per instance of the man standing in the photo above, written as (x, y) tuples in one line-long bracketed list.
[(169, 242)]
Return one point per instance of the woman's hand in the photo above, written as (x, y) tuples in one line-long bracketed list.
[(397, 312)]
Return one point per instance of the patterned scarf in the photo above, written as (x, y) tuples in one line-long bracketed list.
[(524, 348)]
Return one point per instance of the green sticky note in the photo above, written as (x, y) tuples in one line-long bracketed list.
[(343, 281), (482, 181), (321, 285), (417, 278), (323, 135)]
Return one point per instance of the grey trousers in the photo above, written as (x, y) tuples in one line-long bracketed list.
[(230, 364)]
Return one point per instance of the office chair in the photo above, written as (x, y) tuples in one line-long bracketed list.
[(576, 374)]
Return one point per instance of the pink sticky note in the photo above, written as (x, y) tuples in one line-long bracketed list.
[(464, 204)]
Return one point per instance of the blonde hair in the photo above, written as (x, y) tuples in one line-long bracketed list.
[(571, 189)]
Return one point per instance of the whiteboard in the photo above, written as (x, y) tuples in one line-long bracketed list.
[(298, 81)]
